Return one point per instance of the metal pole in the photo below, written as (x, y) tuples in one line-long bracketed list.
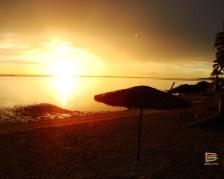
[(172, 86), (139, 135), (221, 105), (223, 25)]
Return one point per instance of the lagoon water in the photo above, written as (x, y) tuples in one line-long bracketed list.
[(76, 93)]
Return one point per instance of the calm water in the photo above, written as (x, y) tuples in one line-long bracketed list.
[(75, 93)]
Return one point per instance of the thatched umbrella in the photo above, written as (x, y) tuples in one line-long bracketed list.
[(141, 97)]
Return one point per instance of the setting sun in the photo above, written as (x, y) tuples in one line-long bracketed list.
[(64, 59), (63, 69)]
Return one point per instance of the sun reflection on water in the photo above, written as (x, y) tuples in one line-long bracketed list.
[(64, 86)]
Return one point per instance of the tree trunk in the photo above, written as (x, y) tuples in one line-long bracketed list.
[(221, 105)]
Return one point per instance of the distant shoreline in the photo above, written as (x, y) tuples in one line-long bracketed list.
[(110, 76)]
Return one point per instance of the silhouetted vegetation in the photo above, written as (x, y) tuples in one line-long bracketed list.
[(40, 109), (218, 67), (199, 88)]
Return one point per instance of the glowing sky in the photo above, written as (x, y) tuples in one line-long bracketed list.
[(118, 37)]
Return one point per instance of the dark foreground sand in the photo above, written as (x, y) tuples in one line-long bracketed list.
[(105, 147)]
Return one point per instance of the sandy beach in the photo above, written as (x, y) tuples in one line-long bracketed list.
[(103, 145)]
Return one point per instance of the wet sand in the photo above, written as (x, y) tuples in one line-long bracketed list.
[(104, 146)]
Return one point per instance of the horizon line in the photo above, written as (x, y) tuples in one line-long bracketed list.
[(109, 76)]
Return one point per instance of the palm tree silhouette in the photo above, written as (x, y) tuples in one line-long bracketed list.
[(218, 67)]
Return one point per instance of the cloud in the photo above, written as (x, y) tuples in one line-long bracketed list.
[(19, 49), (18, 62), (12, 48), (28, 54)]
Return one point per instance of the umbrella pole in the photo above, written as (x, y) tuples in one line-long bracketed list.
[(139, 135)]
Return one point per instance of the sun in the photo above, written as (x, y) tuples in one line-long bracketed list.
[(63, 69), (63, 59)]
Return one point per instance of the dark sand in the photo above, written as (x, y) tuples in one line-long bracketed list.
[(104, 146)]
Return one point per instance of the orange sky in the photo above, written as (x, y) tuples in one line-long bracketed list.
[(135, 38)]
